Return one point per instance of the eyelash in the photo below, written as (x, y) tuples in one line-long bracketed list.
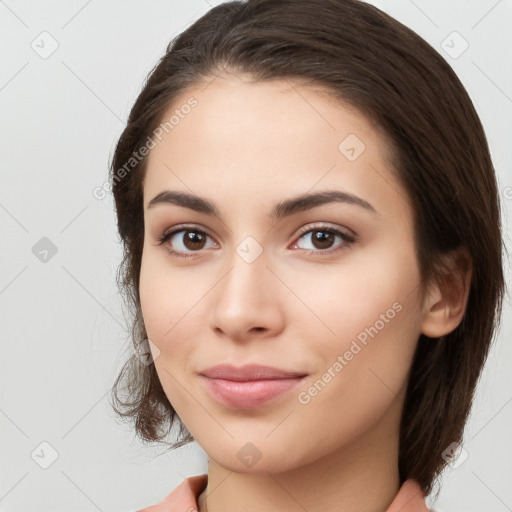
[(346, 239)]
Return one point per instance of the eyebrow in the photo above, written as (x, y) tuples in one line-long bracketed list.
[(280, 210)]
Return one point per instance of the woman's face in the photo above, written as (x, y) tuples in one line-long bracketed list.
[(326, 287)]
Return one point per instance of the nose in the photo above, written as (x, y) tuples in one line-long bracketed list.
[(247, 301)]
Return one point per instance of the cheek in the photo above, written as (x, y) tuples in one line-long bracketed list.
[(154, 301), (372, 311), (167, 295), (174, 304), (362, 377), (343, 300), (167, 298)]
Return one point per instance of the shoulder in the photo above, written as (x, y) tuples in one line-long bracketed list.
[(410, 498), (183, 498)]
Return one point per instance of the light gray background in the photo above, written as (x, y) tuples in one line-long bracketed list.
[(63, 335)]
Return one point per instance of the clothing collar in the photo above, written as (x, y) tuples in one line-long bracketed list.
[(410, 497)]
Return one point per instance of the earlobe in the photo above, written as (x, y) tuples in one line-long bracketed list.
[(447, 299)]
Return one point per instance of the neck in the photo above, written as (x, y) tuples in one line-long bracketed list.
[(362, 476)]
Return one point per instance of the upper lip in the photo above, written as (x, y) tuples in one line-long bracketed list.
[(249, 372)]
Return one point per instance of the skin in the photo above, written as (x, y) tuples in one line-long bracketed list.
[(245, 147)]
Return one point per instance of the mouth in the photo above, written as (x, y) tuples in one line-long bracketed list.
[(248, 386)]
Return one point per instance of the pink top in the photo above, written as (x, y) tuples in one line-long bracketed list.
[(410, 497)]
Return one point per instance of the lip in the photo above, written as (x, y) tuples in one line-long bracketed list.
[(249, 372), (248, 386)]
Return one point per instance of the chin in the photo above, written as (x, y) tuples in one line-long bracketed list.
[(258, 457)]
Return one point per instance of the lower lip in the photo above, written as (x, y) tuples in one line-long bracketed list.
[(250, 393)]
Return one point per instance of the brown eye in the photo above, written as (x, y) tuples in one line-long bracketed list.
[(185, 242), (323, 240), (194, 240)]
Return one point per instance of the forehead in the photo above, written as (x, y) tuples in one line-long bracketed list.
[(266, 140)]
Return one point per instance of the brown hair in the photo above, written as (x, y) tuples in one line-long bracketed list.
[(366, 59)]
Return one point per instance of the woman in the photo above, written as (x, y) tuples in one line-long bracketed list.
[(312, 243)]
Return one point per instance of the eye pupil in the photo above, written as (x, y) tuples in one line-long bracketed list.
[(195, 239), (323, 238)]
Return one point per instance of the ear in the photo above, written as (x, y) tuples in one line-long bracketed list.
[(446, 300)]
